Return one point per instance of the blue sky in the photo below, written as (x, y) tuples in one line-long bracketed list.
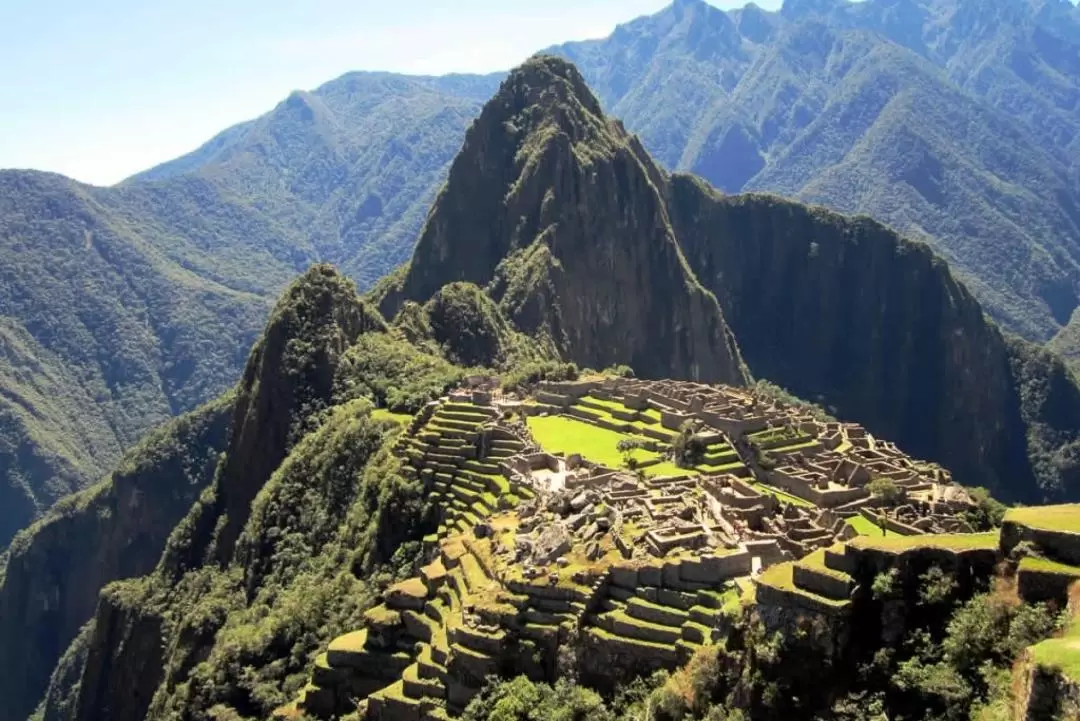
[(100, 90)]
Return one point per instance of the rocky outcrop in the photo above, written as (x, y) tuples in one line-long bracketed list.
[(115, 530), (556, 210), (126, 657)]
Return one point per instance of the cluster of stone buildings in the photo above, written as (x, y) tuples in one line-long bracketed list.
[(537, 552)]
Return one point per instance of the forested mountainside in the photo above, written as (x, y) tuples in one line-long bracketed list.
[(954, 121), (348, 170), (119, 309), (124, 306), (51, 575)]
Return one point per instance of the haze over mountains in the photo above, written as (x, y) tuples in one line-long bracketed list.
[(954, 121)]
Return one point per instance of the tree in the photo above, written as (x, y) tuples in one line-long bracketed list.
[(886, 490), (688, 449), (626, 447)]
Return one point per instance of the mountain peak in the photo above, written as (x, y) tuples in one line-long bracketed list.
[(795, 9), (559, 214), (546, 81)]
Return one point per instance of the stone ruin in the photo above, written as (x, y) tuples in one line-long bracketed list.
[(537, 552)]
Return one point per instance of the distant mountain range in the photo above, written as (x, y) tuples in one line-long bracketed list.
[(954, 121)]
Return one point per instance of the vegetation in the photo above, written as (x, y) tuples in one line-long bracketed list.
[(562, 434), (1047, 518), (393, 374), (112, 530), (951, 542), (687, 448), (886, 490)]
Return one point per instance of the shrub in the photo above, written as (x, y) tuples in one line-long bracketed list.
[(885, 584), (936, 586)]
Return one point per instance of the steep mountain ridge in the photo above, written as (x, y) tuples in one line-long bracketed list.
[(117, 529), (841, 311), (557, 210), (122, 306)]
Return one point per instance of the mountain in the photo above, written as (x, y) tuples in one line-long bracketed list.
[(119, 309), (560, 211), (568, 225), (954, 121), (348, 170), (51, 575), (122, 307), (314, 513)]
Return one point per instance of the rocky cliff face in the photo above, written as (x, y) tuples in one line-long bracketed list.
[(557, 211), (115, 530)]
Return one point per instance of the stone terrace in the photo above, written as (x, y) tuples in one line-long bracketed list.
[(535, 550)]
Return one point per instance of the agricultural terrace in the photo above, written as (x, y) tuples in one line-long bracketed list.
[(1062, 519), (944, 541)]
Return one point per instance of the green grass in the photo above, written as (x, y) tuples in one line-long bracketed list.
[(1042, 565), (562, 434), (948, 541), (1047, 518), (382, 414), (607, 404), (1061, 653), (782, 495), (865, 527), (782, 576)]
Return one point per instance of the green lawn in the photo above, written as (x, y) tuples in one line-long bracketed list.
[(1061, 653), (382, 414), (1031, 563), (866, 527), (1048, 518), (563, 434), (948, 541), (781, 575)]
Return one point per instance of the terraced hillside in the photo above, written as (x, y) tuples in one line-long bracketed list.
[(555, 541)]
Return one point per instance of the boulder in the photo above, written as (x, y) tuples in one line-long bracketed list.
[(554, 541), (579, 502)]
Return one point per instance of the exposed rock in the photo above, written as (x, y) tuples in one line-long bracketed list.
[(554, 541)]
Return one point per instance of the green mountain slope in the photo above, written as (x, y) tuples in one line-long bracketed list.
[(350, 169), (116, 529), (953, 121), (114, 318), (124, 306)]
